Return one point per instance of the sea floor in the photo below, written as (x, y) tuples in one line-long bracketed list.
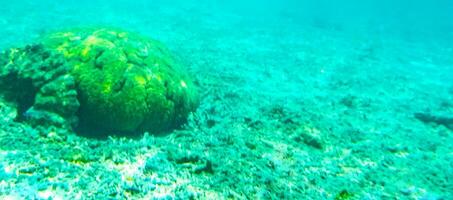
[(288, 111)]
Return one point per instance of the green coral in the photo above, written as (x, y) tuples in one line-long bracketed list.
[(38, 80), (124, 82)]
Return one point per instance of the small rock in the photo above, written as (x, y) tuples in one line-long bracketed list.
[(207, 167)]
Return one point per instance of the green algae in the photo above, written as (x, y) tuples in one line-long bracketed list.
[(111, 80)]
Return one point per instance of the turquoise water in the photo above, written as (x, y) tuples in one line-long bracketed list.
[(298, 100)]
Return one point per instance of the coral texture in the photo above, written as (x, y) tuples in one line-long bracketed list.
[(123, 82), (39, 82)]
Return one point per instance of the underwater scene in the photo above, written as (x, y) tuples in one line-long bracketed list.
[(217, 99)]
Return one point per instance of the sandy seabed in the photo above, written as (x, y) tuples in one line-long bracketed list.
[(288, 111)]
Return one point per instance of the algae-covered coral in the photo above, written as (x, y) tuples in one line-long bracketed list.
[(38, 81), (110, 79)]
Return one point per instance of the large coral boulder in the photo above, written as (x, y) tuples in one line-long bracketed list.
[(110, 80), (125, 82)]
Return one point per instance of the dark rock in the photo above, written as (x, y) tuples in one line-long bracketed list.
[(207, 167), (440, 120), (308, 140)]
